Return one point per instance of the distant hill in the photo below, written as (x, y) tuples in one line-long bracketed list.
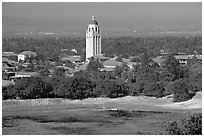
[(11, 25)]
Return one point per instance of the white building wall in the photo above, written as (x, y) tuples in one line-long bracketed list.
[(93, 41), (89, 46), (21, 57)]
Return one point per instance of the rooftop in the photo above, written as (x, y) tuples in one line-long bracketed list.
[(7, 83), (185, 57), (82, 67), (100, 57), (27, 53), (93, 21), (7, 54), (112, 63)]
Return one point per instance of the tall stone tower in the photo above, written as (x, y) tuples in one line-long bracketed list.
[(93, 39)]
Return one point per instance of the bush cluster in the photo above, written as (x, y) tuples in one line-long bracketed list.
[(189, 126), (180, 90), (76, 87), (146, 78), (27, 88)]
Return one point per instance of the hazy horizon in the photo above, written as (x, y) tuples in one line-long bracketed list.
[(112, 16)]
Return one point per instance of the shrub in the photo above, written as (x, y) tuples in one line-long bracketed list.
[(59, 73), (154, 89), (189, 126), (180, 89), (77, 87), (94, 65), (8, 92), (116, 88), (81, 88), (119, 58), (27, 88), (136, 88), (111, 88), (195, 82), (135, 59), (35, 88), (168, 88)]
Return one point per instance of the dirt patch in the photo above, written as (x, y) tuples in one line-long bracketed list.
[(74, 131), (127, 115)]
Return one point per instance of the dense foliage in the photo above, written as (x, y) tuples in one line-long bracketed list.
[(94, 65), (145, 78), (127, 46), (27, 88), (188, 126), (180, 90)]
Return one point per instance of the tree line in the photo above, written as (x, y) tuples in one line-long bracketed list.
[(51, 47), (146, 78)]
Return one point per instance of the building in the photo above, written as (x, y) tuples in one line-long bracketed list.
[(6, 83), (183, 59), (23, 55), (8, 54), (93, 39), (129, 63), (101, 57), (20, 75), (71, 58), (159, 60), (109, 65)]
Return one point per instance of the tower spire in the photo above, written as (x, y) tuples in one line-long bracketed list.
[(93, 18), (93, 39)]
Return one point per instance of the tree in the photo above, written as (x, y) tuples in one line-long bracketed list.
[(136, 88), (30, 67), (172, 66), (76, 87), (124, 55), (118, 71), (8, 92), (135, 59), (40, 57), (119, 58), (94, 65), (83, 57), (188, 126), (115, 88), (15, 58), (69, 64), (59, 73), (180, 90), (155, 65), (44, 72), (154, 89), (30, 88), (145, 60), (112, 46), (35, 89), (165, 76), (195, 82)]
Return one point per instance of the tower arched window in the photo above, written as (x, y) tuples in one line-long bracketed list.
[(96, 29)]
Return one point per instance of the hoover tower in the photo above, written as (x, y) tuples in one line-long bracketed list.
[(93, 39)]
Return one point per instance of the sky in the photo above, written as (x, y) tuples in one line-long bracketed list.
[(119, 11), (126, 13)]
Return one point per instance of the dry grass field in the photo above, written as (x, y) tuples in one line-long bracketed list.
[(122, 116)]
